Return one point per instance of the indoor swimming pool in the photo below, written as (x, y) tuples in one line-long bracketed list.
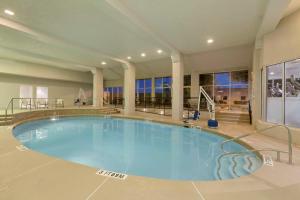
[(137, 147)]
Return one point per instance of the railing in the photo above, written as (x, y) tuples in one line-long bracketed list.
[(22, 104), (290, 143), (154, 105), (250, 111)]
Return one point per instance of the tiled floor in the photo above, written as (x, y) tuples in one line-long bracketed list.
[(34, 176)]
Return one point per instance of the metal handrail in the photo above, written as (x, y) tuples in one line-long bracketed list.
[(10, 105), (290, 142)]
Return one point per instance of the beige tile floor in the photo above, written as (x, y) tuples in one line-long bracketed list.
[(34, 176)]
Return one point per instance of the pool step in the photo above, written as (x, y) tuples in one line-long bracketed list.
[(237, 165), (233, 117), (6, 120)]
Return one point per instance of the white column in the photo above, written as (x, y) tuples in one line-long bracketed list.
[(256, 82), (177, 86), (97, 87), (194, 84), (129, 88)]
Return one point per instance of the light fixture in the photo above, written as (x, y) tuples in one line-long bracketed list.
[(143, 54), (103, 63), (159, 51), (272, 73), (210, 41), (129, 57), (9, 12)]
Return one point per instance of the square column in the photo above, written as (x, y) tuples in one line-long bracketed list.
[(194, 84), (97, 87), (129, 88), (177, 86)]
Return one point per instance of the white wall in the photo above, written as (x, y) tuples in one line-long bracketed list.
[(10, 87)]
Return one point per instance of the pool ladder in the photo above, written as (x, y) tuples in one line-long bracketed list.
[(235, 154)]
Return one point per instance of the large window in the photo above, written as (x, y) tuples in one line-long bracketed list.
[(229, 90), (283, 93), (292, 93), (42, 92), (163, 87), (143, 90), (187, 87), (113, 95), (26, 91), (274, 93)]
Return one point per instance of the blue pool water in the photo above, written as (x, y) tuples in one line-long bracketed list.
[(137, 147)]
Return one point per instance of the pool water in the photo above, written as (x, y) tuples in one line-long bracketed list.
[(137, 147)]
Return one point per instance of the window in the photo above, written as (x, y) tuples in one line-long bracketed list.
[(292, 93), (26, 91), (42, 92), (283, 93), (187, 80), (274, 93), (113, 95), (229, 90), (186, 89), (163, 87), (143, 90)]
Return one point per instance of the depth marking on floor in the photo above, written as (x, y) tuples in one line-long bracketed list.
[(111, 174), (201, 196)]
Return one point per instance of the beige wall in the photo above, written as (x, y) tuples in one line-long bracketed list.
[(278, 46), (42, 71), (227, 59), (113, 83), (10, 87), (284, 43)]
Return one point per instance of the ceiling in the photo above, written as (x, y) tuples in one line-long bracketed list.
[(80, 35)]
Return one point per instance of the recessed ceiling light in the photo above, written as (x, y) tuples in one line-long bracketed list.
[(209, 41), (129, 57), (9, 12), (103, 63), (159, 51), (143, 54)]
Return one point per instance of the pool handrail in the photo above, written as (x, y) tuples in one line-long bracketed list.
[(290, 142), (35, 101)]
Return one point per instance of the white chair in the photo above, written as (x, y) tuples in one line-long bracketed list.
[(59, 103), (42, 103), (25, 103)]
